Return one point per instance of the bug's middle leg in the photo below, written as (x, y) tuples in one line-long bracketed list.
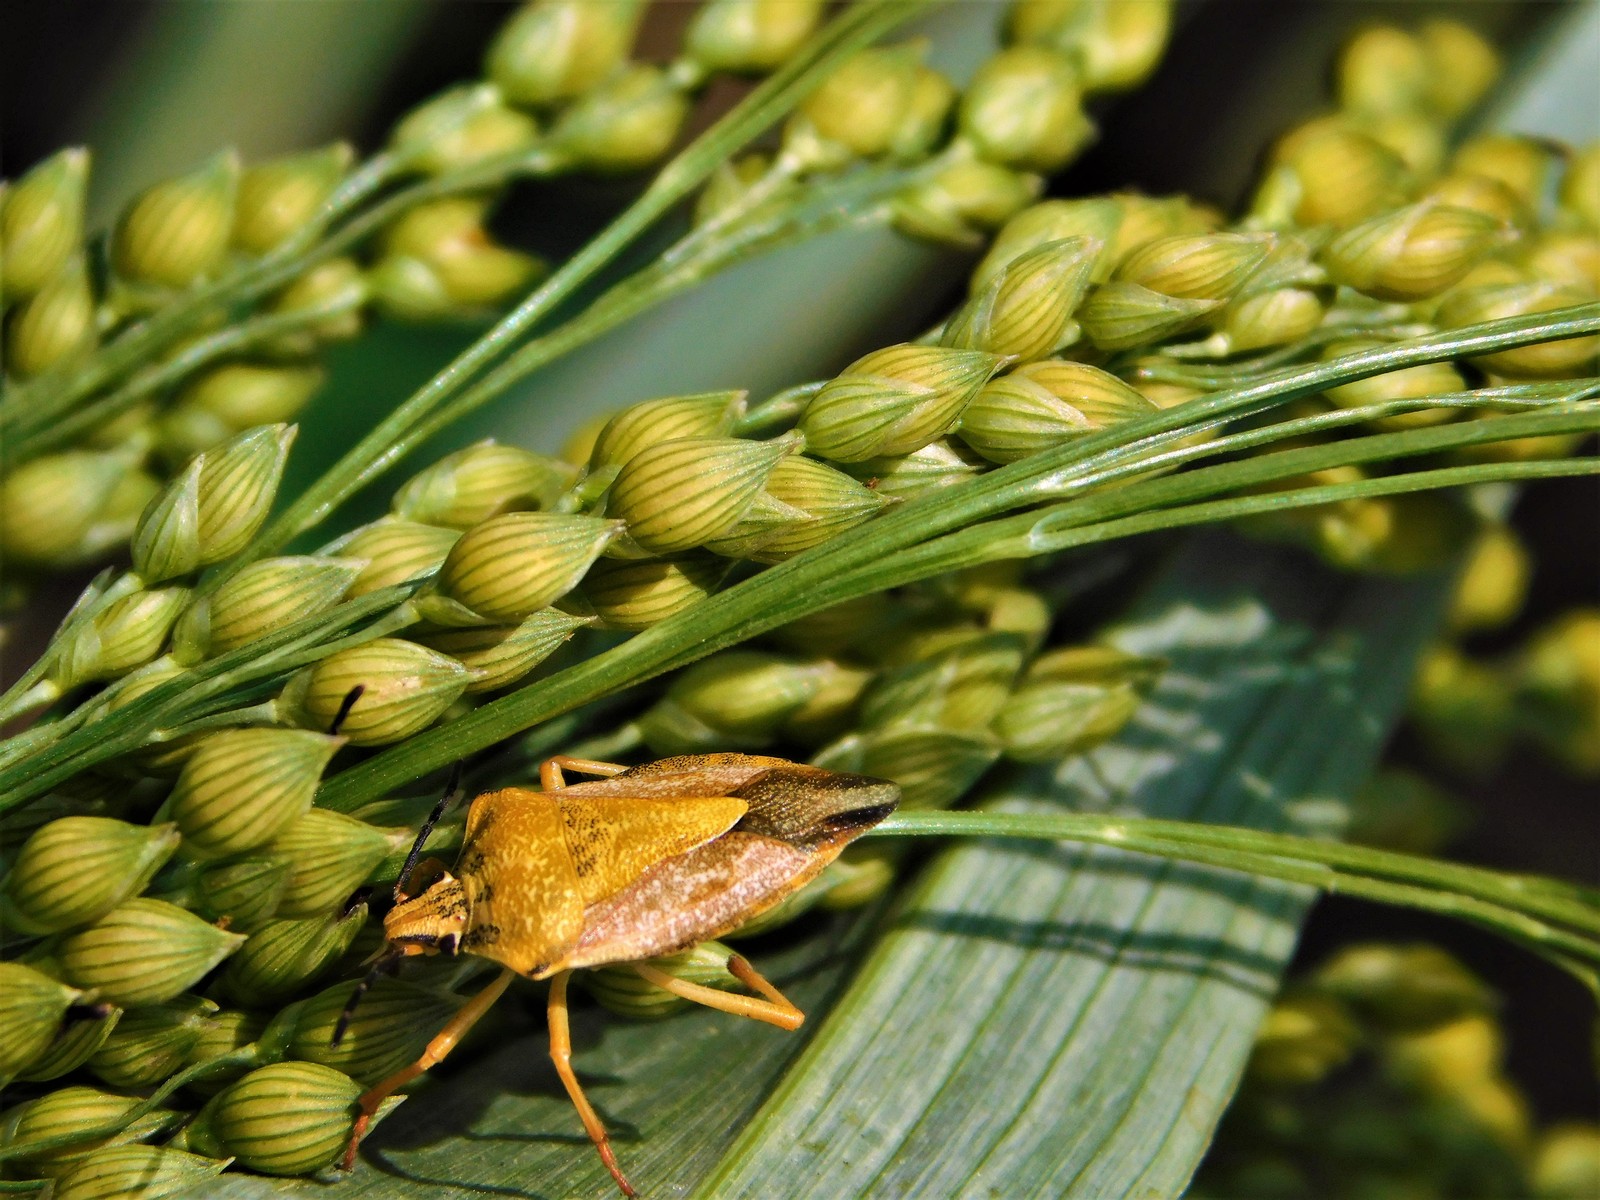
[(561, 1055), (773, 1007), (444, 1041), (551, 778)]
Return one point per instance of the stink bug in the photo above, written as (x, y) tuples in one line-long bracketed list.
[(645, 861)]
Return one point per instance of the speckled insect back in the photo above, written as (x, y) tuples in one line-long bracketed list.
[(647, 861)]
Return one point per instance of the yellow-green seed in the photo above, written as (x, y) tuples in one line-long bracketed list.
[(940, 464), (1302, 1040), (1045, 404), (41, 221), (1402, 987), (77, 869), (177, 231), (750, 35), (67, 1111), (151, 1042), (1462, 66), (1024, 109), (328, 855), (460, 127), (704, 414), (31, 1007), (933, 766), (961, 687), (638, 594), (135, 1173), (963, 199), (263, 597), (499, 655), (285, 955), (1096, 218), (804, 504), (1409, 383), (480, 482), (625, 123), (862, 106), (389, 1029), (290, 1118), (337, 287), (212, 510), (1071, 700), (1580, 186), (447, 236), (129, 632), (280, 197), (1383, 69), (509, 567), (1522, 163), (144, 951), (1566, 1165), (1121, 315), (85, 1031), (1208, 266), (60, 510), (1413, 252), (239, 787), (557, 49), (405, 688), (1116, 45), (54, 326), (224, 1033), (225, 400), (679, 494), (243, 893), (396, 551), (738, 699), (894, 401), (1026, 312), (1338, 175), (1558, 359)]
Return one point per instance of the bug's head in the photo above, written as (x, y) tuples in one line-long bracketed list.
[(431, 922)]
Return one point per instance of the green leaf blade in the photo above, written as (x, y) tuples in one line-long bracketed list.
[(1040, 1018)]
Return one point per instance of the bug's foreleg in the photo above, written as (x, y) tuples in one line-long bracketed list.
[(775, 1009), (444, 1042), (550, 771), (561, 1055)]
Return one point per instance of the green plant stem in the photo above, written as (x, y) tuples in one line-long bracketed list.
[(1505, 904), (95, 732), (819, 207), (379, 450), (791, 589), (245, 1056), (51, 395), (42, 436), (103, 591)]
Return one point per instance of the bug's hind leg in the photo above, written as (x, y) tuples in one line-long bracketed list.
[(550, 771), (444, 1042), (775, 1008), (561, 1055)]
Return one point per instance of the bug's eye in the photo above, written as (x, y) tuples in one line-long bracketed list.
[(449, 943)]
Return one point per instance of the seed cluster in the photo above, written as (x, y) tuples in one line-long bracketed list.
[(561, 93), (1382, 1068)]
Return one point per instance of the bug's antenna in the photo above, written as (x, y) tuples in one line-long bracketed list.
[(345, 706), (452, 793), (386, 962)]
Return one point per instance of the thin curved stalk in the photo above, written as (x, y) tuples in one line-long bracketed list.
[(783, 592), (389, 440)]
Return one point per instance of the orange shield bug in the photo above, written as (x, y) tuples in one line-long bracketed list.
[(646, 861)]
